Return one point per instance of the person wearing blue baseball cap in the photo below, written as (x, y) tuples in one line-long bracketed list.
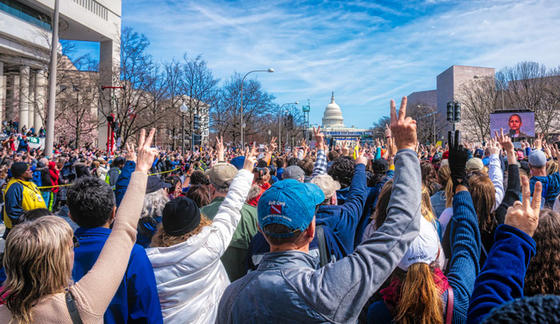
[(289, 286), (550, 183)]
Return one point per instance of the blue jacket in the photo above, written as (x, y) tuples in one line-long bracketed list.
[(123, 180), (463, 265), (503, 275), (287, 287), (550, 187), (136, 300), (343, 219)]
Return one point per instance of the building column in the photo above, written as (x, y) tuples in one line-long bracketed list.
[(2, 92), (24, 97), (12, 100), (31, 101), (40, 101)]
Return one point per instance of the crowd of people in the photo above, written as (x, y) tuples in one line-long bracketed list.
[(387, 232)]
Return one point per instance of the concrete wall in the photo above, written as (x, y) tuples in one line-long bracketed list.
[(450, 83), (428, 97)]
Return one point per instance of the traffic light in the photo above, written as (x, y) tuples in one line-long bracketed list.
[(450, 111), (197, 139), (457, 111), (453, 111)]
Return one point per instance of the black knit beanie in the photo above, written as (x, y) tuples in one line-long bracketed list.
[(18, 169), (180, 216), (542, 309)]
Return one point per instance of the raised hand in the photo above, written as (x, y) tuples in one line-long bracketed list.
[(538, 142), (130, 154), (250, 158), (493, 147), (220, 148), (403, 129), (273, 144), (525, 215), (146, 154), (505, 141), (458, 157), (319, 138), (361, 158)]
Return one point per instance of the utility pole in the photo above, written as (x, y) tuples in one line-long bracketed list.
[(52, 84)]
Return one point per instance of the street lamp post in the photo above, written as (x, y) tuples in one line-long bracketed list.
[(184, 109), (280, 122), (270, 70)]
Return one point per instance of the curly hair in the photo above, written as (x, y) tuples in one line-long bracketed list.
[(154, 203), (543, 274), (199, 178), (342, 170), (91, 202)]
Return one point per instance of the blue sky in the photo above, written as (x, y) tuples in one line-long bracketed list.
[(367, 52)]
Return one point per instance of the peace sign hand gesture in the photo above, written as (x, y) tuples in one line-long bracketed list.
[(403, 129), (146, 154), (525, 215)]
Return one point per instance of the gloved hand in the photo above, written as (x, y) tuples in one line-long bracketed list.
[(458, 156)]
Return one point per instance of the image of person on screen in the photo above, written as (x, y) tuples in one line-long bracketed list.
[(515, 124)]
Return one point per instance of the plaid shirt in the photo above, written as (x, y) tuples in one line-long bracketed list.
[(320, 164)]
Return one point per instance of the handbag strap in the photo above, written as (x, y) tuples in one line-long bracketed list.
[(72, 308), (450, 300)]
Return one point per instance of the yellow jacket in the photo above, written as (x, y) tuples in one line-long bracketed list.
[(16, 203)]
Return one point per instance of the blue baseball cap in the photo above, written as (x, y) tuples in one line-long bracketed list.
[(290, 203), (537, 159)]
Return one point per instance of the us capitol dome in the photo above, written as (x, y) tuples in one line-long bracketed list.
[(332, 117), (333, 125)]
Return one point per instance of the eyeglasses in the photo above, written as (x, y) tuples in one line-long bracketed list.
[(75, 241)]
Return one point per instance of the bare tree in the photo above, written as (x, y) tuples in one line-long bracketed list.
[(531, 86), (226, 114), (378, 129), (478, 99), (427, 126), (139, 88)]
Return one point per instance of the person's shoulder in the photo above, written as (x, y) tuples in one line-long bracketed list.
[(138, 255)]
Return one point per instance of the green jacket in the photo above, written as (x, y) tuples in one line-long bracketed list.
[(235, 257)]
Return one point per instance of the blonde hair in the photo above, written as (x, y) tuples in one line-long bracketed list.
[(38, 261), (162, 239), (426, 206), (420, 300)]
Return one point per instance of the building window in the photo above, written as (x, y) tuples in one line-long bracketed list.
[(26, 13), (94, 7)]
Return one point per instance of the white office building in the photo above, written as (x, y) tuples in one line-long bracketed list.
[(25, 36)]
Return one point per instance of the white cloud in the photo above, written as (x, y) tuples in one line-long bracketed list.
[(365, 52)]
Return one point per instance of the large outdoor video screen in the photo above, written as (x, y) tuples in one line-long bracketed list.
[(515, 124)]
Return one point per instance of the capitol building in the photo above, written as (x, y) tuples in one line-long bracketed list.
[(333, 125)]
